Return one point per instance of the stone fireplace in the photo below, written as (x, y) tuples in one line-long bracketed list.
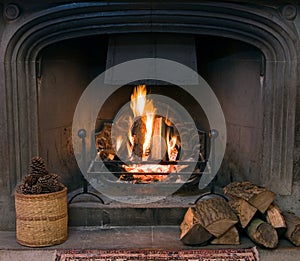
[(247, 53)]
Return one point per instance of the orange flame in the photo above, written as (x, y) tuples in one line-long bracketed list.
[(138, 100), (149, 129), (171, 143), (141, 106)]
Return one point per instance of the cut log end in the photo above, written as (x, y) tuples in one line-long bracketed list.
[(196, 235), (231, 237), (293, 228), (296, 236), (217, 228), (192, 231), (244, 211), (275, 218), (267, 236), (216, 215), (263, 200), (263, 234)]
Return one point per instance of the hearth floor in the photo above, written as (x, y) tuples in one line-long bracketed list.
[(138, 237)]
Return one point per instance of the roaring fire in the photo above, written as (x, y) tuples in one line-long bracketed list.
[(153, 139), (144, 110)]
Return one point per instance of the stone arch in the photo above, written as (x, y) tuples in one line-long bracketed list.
[(269, 29)]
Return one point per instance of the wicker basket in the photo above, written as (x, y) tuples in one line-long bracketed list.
[(42, 219)]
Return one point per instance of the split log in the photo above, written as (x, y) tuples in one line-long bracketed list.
[(138, 133), (231, 237), (262, 233), (244, 210), (158, 146), (293, 227), (216, 215), (192, 231), (259, 197), (276, 219)]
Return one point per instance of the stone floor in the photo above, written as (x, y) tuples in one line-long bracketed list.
[(139, 237)]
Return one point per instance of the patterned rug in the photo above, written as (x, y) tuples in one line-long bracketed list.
[(244, 254)]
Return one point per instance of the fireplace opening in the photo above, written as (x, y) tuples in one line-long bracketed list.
[(141, 146), (233, 69)]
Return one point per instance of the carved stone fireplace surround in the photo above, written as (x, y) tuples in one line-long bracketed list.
[(27, 27)]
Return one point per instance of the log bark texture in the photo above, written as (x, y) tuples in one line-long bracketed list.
[(192, 231), (216, 215), (259, 197), (138, 134), (293, 227), (244, 210), (262, 233)]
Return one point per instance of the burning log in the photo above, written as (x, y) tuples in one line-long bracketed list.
[(138, 134), (293, 227), (104, 143), (158, 146), (259, 197), (262, 233), (144, 113)]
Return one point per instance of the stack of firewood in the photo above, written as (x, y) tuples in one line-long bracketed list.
[(249, 209)]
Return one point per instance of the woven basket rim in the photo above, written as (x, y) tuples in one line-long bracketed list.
[(42, 194)]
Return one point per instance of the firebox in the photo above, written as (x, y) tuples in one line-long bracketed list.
[(242, 61), (246, 52), (141, 146)]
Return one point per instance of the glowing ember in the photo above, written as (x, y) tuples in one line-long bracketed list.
[(152, 168), (149, 168)]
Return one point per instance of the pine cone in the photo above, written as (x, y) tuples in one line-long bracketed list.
[(24, 189), (39, 180), (37, 166), (36, 189), (49, 183), (31, 179)]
